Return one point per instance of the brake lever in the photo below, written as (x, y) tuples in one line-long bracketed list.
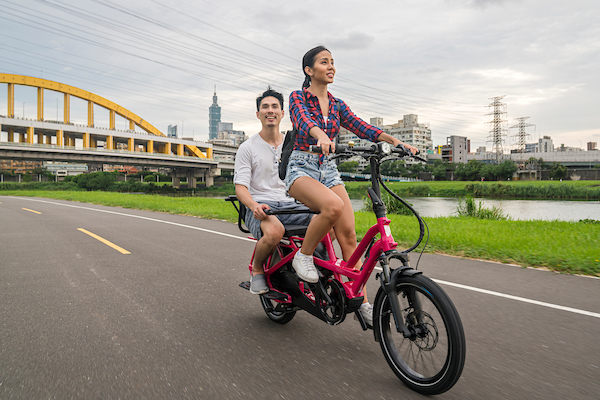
[(406, 153)]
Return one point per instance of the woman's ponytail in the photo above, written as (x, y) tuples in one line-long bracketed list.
[(306, 81)]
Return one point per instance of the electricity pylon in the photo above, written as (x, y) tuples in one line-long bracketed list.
[(498, 131), (522, 135)]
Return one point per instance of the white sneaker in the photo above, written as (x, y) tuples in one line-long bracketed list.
[(366, 310), (305, 268)]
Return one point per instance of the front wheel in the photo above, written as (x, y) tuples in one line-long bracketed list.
[(431, 360), (270, 307)]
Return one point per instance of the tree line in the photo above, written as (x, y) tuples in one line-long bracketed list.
[(472, 171)]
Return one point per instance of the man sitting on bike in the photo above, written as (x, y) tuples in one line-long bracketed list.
[(258, 187)]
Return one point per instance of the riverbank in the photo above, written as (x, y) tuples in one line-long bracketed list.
[(567, 247), (540, 190), (567, 190)]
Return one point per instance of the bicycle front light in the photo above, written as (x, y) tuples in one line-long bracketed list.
[(386, 148)]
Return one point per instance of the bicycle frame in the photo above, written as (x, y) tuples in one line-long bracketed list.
[(357, 277)]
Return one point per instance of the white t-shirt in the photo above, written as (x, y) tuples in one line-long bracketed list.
[(257, 168)]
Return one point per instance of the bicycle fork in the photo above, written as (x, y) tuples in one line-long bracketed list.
[(388, 280)]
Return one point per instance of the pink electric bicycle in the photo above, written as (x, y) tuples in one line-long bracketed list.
[(415, 322)]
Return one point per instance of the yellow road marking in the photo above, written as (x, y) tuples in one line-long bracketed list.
[(27, 209), (106, 242)]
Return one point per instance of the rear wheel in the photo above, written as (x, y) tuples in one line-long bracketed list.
[(431, 360), (275, 311)]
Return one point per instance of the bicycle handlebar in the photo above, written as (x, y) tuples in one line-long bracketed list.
[(374, 149), (281, 212)]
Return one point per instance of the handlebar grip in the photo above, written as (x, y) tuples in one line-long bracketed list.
[(339, 148), (403, 151)]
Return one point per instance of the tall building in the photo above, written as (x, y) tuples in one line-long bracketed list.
[(214, 117), (456, 149), (411, 132), (172, 131), (592, 146), (545, 145)]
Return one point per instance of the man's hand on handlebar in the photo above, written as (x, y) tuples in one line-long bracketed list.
[(259, 211)]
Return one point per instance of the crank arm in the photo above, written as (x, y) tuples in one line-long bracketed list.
[(322, 294)]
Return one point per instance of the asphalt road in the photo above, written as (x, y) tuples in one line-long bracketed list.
[(80, 319)]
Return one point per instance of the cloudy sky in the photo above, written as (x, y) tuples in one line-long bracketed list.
[(441, 59)]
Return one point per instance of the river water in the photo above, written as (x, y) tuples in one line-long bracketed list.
[(548, 210), (516, 209)]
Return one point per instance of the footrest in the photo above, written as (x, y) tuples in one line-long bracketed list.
[(273, 295)]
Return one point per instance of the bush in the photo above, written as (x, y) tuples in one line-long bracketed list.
[(561, 191), (467, 207), (39, 186), (96, 180), (348, 166)]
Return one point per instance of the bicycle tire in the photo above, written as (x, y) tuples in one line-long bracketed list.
[(277, 316), (430, 362)]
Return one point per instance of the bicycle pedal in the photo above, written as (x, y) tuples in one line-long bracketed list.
[(363, 324), (245, 285)]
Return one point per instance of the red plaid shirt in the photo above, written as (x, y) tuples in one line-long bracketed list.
[(307, 114)]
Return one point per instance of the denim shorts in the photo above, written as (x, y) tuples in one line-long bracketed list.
[(307, 164), (253, 224)]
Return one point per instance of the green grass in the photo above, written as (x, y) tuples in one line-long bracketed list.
[(195, 206), (568, 247)]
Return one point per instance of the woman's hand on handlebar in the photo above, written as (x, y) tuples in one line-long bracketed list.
[(323, 141), (412, 149), (326, 145)]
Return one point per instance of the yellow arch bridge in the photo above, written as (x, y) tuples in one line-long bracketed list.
[(56, 139)]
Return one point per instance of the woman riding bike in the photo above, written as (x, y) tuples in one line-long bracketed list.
[(313, 179)]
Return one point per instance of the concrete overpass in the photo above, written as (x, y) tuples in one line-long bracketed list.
[(47, 140)]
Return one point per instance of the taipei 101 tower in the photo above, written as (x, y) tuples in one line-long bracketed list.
[(214, 117)]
